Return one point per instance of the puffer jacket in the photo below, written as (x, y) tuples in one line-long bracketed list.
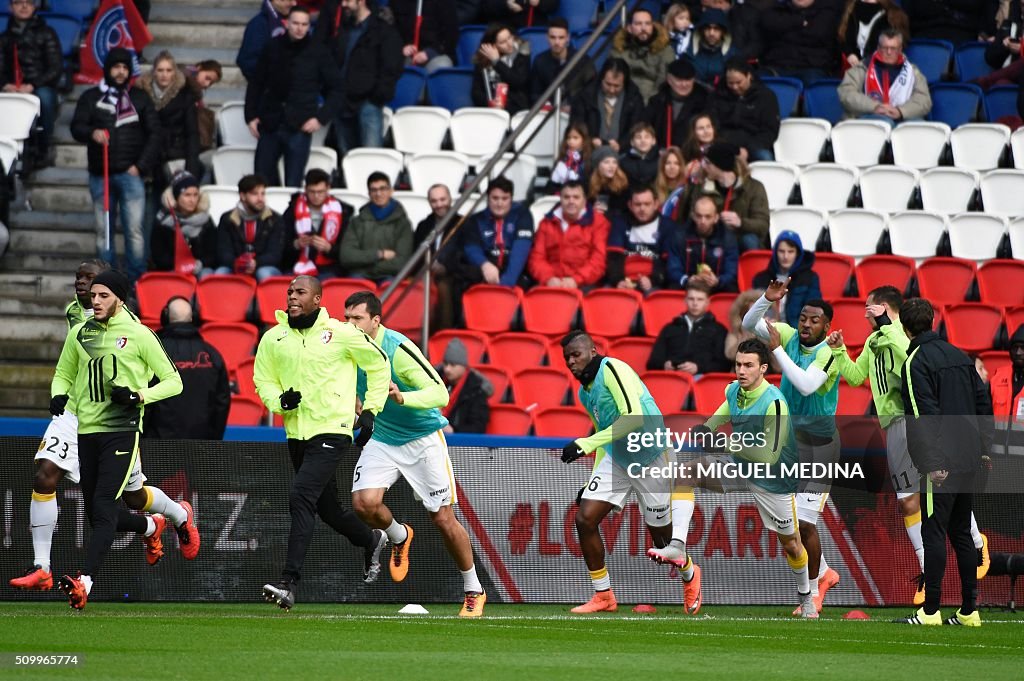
[(366, 235), (267, 246), (179, 123), (750, 121), (580, 251), (648, 63), (39, 53)]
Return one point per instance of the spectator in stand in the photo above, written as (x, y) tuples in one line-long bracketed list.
[(438, 33), (573, 158), (862, 23), (712, 47), (467, 11), (608, 188), (295, 90), (250, 239), (312, 227), (548, 64), (610, 106), (737, 334), (678, 100), (468, 410), (800, 39), (1004, 52), (790, 261), (744, 25), (175, 104), (704, 249), (636, 245), (269, 23), (184, 236), (747, 112), (200, 411), (31, 63), (671, 175), (887, 87), (497, 240), (379, 241), (519, 13), (958, 21), (1007, 382), (501, 71), (702, 134), (640, 163), (693, 342), (123, 118), (447, 264), (645, 46), (200, 78), (369, 51), (679, 23), (570, 247)]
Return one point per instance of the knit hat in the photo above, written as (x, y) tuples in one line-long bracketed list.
[(118, 55), (456, 353), (713, 17), (183, 181), (682, 69), (723, 155), (115, 281), (601, 153)]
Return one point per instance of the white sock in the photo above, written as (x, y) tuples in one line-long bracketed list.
[(682, 512), (601, 580), (161, 503), (687, 572), (396, 532), (470, 582), (814, 586), (42, 516), (822, 566), (975, 533), (914, 532), (87, 583), (150, 527), (803, 580)]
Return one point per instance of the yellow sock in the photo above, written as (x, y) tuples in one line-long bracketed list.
[(149, 498), (799, 567), (36, 496), (601, 580)]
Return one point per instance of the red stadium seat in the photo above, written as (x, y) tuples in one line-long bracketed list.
[(670, 389), (551, 311), (1014, 319), (499, 381), (245, 411), (633, 351), (945, 281), (709, 392), (611, 312), (540, 387), (336, 291), (244, 377), (475, 342), (491, 309), (994, 360), (235, 341), (848, 317), (508, 419), (752, 262), (684, 421), (853, 401), (406, 316), (719, 306), (154, 289), (571, 422), (151, 323), (271, 296), (834, 271), (884, 270), (225, 297), (1001, 282), (660, 308), (973, 327), (515, 351)]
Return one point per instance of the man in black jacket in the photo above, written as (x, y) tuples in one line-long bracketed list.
[(249, 237), (369, 52), (800, 39), (747, 112), (610, 106), (438, 33), (31, 63), (295, 90), (678, 100), (468, 410), (200, 412), (548, 64), (693, 342), (123, 119), (949, 428)]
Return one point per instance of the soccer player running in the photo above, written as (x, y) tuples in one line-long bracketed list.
[(619, 404), (57, 458), (810, 384), (408, 441), (880, 362), (306, 370), (106, 365)]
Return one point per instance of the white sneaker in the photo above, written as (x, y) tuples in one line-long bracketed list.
[(808, 610), (371, 557)]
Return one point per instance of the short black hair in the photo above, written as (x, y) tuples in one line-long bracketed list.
[(917, 316), (503, 183), (573, 184), (890, 295), (251, 182), (318, 176), (642, 189), (377, 176), (754, 346), (99, 264), (739, 65), (312, 282), (575, 335), (614, 65), (637, 10), (367, 298), (824, 305), (558, 22)]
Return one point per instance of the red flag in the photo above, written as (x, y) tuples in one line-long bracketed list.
[(117, 24)]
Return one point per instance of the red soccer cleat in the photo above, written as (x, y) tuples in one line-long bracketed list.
[(188, 534), (74, 590), (34, 579), (603, 601), (155, 545)]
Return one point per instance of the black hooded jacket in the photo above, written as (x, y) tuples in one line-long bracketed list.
[(39, 53), (750, 121)]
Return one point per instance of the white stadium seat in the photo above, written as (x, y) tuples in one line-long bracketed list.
[(916, 233), (544, 144), (975, 236), (231, 164), (948, 190), (278, 198), (778, 180), (979, 146), (859, 142), (222, 199), (856, 231), (541, 207), (444, 167), (231, 125), (9, 152), (807, 222), (416, 129), (1017, 146), (416, 206), (358, 164), (1016, 230), (352, 197), (887, 188), (324, 158), (801, 140), (919, 144), (478, 131), (1002, 192), (827, 186), (522, 172)]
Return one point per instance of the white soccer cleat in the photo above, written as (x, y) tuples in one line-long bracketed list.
[(668, 555)]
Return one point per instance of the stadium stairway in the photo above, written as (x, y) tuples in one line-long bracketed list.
[(52, 225)]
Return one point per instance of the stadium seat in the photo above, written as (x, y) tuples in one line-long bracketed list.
[(337, 291), (807, 222), (945, 281), (601, 48), (848, 315), (232, 127), (536, 38), (445, 167), (709, 392), (353, 197), (578, 13), (540, 387), (995, 359), (955, 103), (498, 379), (888, 188), (973, 327), (410, 87), (245, 410), (68, 29), (405, 314), (508, 419), (787, 92), (684, 421), (542, 145), (475, 342), (1001, 283), (660, 308), (516, 351), (834, 271), (1014, 318), (884, 270), (916, 234), (778, 180), (550, 310), (856, 231), (719, 306), (859, 143), (244, 377), (821, 100), (235, 341), (919, 144), (521, 170), (931, 57), (1002, 192), (478, 132), (232, 163), (975, 236), (1016, 230), (633, 351), (827, 186), (469, 43), (416, 129), (853, 400), (948, 190), (416, 206), (225, 297), (80, 9), (272, 295), (358, 164), (491, 309), (1000, 102), (278, 198), (570, 422), (541, 207), (450, 88), (979, 146), (670, 389), (611, 312), (9, 152), (969, 59), (222, 199), (801, 140), (320, 157), (753, 262), (154, 289)]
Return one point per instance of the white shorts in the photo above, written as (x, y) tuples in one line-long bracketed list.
[(612, 484), (778, 511), (424, 463), (902, 471), (809, 505), (60, 445), (812, 499)]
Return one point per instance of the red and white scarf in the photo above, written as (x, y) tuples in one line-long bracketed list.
[(896, 93), (330, 229)]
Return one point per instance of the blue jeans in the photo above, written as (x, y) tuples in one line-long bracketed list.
[(760, 154), (260, 274), (294, 144), (128, 197), (47, 110), (365, 128), (749, 241)]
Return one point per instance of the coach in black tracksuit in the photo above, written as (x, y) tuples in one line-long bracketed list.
[(949, 419)]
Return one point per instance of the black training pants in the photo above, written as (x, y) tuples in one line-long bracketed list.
[(106, 461), (946, 510)]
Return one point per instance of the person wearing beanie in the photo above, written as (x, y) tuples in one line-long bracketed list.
[(184, 237), (678, 100), (712, 46), (121, 118), (468, 408)]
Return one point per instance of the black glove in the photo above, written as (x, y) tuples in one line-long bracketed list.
[(57, 404), (579, 495), (571, 452), (704, 438), (290, 399), (365, 425), (124, 396)]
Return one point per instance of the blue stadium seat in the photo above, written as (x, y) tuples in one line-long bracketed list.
[(821, 100), (4, 17), (787, 91), (469, 43), (579, 13), (409, 91), (653, 6), (450, 88), (68, 29), (954, 103), (931, 57), (81, 9), (970, 61), (599, 52), (537, 38), (1001, 101)]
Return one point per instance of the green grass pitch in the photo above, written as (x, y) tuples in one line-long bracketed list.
[(258, 641)]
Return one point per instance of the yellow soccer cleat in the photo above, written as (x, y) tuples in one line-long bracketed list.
[(983, 559), (921, 617), (972, 620), (603, 601), (399, 565), (473, 606)]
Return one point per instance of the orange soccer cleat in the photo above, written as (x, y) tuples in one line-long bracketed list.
[(74, 590), (188, 534), (603, 601), (825, 582), (693, 597), (473, 606), (34, 579), (155, 545), (399, 565)]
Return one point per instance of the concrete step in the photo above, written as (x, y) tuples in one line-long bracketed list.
[(44, 285), (24, 328), (223, 51), (203, 35), (214, 97), (195, 13), (35, 399), (71, 155), (46, 220), (20, 350), (36, 307), (26, 375), (48, 262), (24, 241), (60, 177), (74, 199)]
